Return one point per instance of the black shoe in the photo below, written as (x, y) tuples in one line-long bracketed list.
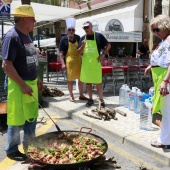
[(17, 156), (89, 103), (102, 103)]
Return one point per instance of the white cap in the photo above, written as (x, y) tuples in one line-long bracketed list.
[(71, 22)]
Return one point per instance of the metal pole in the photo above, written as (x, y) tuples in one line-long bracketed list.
[(2, 29), (38, 33)]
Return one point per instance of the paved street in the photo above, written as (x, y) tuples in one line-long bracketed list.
[(125, 130)]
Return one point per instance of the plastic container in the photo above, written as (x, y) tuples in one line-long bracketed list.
[(151, 91), (138, 101), (122, 94), (132, 95), (146, 115), (126, 98)]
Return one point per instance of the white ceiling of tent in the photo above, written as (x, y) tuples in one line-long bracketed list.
[(45, 12)]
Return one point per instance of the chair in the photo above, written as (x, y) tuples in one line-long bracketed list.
[(3, 93), (56, 67), (145, 80), (118, 73), (144, 61), (133, 73), (118, 76), (106, 70), (52, 69)]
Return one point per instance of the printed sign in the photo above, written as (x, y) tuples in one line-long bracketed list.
[(5, 8), (123, 36), (114, 25)]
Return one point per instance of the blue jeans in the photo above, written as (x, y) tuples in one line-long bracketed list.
[(14, 135)]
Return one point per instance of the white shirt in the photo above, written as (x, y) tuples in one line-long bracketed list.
[(161, 56)]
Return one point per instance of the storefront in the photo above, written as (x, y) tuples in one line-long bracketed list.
[(127, 42), (123, 23)]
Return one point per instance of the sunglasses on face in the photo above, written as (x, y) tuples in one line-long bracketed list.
[(86, 27), (71, 30), (156, 29)]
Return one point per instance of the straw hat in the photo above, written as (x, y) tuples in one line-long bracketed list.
[(23, 11)]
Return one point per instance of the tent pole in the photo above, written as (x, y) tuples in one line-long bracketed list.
[(38, 32)]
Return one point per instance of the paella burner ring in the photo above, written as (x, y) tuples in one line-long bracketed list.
[(37, 168)]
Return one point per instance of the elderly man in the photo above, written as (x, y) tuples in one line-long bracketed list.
[(68, 52), (21, 66), (93, 46)]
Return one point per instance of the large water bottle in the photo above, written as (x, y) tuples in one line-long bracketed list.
[(146, 115), (138, 101), (151, 91), (127, 91), (132, 98), (122, 95)]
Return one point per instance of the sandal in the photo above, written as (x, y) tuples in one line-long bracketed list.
[(71, 99), (156, 144), (83, 98)]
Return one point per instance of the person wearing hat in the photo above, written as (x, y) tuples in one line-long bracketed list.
[(68, 53), (93, 47), (21, 66)]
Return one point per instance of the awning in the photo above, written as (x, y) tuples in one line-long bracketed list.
[(45, 12), (129, 14), (50, 42)]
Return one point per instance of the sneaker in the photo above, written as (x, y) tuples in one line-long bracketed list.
[(17, 156), (89, 103), (102, 103)]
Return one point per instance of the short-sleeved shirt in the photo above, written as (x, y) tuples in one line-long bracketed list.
[(161, 55), (143, 49), (18, 48), (100, 39), (64, 43)]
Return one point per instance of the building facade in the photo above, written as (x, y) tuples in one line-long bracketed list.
[(121, 22)]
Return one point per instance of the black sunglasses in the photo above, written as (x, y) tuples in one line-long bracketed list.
[(155, 29), (86, 27), (71, 30)]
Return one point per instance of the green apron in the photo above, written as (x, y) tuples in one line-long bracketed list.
[(158, 74), (21, 107), (91, 69)]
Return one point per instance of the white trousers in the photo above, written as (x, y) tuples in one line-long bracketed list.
[(165, 123)]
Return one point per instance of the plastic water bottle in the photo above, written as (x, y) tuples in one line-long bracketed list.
[(146, 115), (138, 101), (151, 91), (122, 95), (126, 98), (132, 98)]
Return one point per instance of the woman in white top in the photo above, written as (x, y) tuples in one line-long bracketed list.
[(160, 67)]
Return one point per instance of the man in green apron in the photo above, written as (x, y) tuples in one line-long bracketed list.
[(21, 66), (93, 47)]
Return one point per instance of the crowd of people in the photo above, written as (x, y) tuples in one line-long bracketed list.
[(81, 57)]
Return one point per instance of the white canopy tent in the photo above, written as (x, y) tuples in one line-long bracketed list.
[(45, 12), (50, 42)]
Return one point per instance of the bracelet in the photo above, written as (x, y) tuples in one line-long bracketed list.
[(167, 81)]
